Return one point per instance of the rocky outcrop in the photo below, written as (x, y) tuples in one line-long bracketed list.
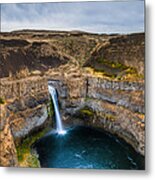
[(21, 127), (8, 154), (33, 56), (16, 127), (23, 113), (119, 53)]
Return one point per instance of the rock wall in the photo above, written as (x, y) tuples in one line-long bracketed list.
[(33, 119), (26, 102), (24, 112), (115, 106), (129, 95), (12, 89), (8, 154), (118, 108)]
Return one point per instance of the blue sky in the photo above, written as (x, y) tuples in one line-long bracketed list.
[(98, 17)]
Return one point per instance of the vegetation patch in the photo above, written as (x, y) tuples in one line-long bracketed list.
[(115, 71), (2, 100), (50, 108), (108, 68), (27, 158), (100, 73), (112, 64), (87, 111), (132, 74)]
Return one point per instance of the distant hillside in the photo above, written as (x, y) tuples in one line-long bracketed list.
[(42, 50)]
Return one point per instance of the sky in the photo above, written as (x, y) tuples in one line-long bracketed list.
[(96, 17)]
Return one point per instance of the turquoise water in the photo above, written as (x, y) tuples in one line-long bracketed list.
[(83, 147)]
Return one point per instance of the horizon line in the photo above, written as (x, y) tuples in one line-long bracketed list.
[(74, 30)]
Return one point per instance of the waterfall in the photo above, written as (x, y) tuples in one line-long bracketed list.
[(59, 126)]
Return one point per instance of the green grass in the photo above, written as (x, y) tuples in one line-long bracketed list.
[(25, 157)]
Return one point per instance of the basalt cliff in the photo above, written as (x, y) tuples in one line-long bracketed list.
[(99, 79)]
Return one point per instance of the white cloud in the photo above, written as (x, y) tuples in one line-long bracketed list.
[(105, 17)]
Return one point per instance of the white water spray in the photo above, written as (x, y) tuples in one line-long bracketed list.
[(59, 126)]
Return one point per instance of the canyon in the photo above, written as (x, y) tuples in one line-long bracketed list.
[(99, 80)]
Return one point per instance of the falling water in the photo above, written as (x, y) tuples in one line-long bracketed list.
[(59, 126)]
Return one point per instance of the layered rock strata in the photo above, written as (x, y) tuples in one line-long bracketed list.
[(110, 96)]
